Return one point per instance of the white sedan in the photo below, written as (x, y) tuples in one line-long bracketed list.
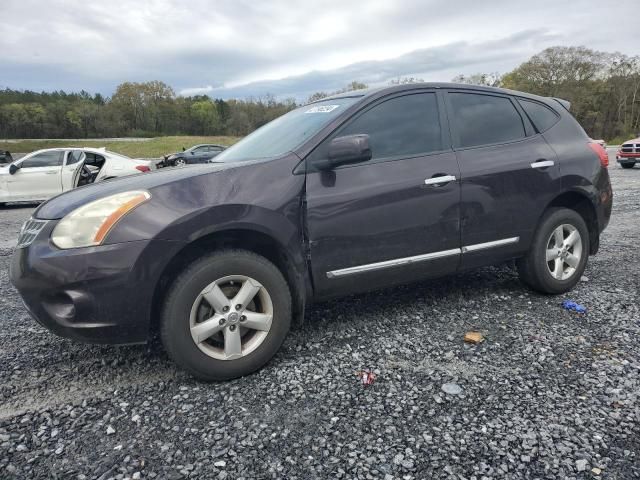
[(44, 173)]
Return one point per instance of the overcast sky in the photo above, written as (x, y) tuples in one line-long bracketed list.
[(239, 48)]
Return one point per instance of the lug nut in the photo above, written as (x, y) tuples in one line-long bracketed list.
[(243, 318), (225, 308), (238, 307), (232, 327), (222, 321)]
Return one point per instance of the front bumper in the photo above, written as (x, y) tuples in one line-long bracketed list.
[(96, 294)]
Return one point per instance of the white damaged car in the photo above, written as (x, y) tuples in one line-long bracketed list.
[(45, 173)]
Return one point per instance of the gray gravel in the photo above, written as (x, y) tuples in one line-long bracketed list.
[(548, 394)]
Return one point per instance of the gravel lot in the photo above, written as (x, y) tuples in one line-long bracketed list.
[(548, 394)]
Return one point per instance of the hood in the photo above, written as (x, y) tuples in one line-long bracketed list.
[(633, 140), (61, 205)]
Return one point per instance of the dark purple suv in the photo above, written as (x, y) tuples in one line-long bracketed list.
[(355, 192)]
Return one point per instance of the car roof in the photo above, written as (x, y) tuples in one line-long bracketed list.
[(381, 91), (87, 149)]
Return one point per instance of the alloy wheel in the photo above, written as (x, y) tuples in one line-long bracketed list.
[(231, 317), (564, 251)]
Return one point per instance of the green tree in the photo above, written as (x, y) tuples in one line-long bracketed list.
[(205, 115), (354, 85)]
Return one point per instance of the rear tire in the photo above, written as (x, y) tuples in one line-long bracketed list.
[(244, 338), (627, 164), (554, 264)]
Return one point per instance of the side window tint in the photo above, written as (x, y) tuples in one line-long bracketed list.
[(541, 116), (485, 119), (93, 159), (402, 126), (44, 159), (73, 157)]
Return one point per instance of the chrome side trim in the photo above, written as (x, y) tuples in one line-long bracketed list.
[(495, 243), (392, 263), (419, 258), (546, 163)]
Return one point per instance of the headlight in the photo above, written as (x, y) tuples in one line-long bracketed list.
[(89, 225)]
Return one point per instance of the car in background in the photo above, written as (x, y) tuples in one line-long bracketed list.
[(629, 153), (45, 173), (197, 154), (5, 157)]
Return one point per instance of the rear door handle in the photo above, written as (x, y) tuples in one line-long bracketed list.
[(51, 173), (441, 180), (543, 164)]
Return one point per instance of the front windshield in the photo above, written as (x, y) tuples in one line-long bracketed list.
[(287, 132)]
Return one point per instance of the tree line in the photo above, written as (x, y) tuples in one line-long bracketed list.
[(135, 110), (603, 88)]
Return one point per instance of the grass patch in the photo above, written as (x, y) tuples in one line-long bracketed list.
[(147, 148)]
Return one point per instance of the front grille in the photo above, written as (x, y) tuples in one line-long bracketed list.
[(630, 148), (30, 231)]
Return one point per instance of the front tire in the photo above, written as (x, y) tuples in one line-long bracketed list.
[(226, 315), (558, 254)]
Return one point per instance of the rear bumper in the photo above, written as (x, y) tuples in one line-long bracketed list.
[(97, 294)]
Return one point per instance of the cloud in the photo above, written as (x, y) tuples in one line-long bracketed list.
[(432, 64), (189, 92), (243, 47)]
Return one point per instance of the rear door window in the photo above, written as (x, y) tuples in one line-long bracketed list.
[(484, 119), (541, 116), (74, 157)]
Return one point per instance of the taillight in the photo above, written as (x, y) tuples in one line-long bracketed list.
[(143, 168), (601, 152)]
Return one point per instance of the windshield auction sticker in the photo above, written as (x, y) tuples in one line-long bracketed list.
[(322, 109)]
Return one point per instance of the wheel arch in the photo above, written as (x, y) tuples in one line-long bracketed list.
[(581, 203), (255, 241)]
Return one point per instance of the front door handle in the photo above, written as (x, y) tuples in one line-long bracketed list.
[(50, 173), (437, 181), (542, 163)]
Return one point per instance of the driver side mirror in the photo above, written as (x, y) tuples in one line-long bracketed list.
[(346, 150), (13, 168), (183, 149)]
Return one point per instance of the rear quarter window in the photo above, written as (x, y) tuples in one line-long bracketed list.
[(542, 117)]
